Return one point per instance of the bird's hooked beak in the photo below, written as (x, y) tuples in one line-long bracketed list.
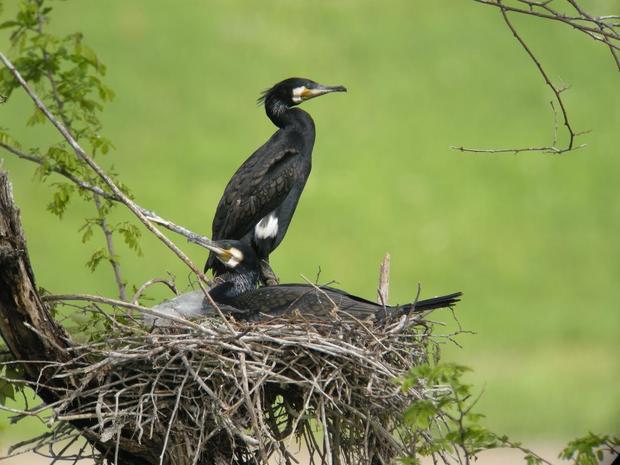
[(222, 254), (306, 93)]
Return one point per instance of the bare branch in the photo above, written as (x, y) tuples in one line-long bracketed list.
[(543, 73), (544, 11), (150, 282), (122, 304), (130, 204), (602, 26), (604, 29), (107, 233)]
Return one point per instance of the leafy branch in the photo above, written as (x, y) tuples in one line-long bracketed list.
[(447, 417), (67, 75)]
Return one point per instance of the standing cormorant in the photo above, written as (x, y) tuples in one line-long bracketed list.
[(239, 292), (260, 199)]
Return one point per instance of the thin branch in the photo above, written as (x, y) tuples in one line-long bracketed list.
[(120, 303), (516, 150), (107, 233), (103, 225), (601, 25), (556, 16), (191, 236), (604, 29), (543, 73), (168, 282), (130, 204)]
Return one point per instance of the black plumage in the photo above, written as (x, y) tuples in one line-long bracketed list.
[(260, 199), (320, 301), (240, 292)]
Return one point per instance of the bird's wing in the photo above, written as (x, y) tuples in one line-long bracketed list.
[(256, 189), (309, 300)]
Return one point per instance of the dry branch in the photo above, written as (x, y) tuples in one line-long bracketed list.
[(384, 280), (604, 29)]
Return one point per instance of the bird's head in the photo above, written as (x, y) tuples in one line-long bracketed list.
[(235, 255), (293, 91)]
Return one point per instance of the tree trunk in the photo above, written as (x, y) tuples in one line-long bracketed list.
[(33, 336)]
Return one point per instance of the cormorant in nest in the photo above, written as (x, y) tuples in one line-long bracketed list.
[(239, 296)]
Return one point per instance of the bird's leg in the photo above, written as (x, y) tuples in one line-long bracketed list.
[(267, 276)]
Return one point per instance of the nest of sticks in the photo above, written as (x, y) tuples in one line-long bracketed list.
[(220, 392)]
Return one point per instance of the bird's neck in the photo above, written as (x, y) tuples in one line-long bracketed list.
[(235, 285), (284, 117)]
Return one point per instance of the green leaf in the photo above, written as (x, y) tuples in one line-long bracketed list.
[(7, 24), (95, 259), (36, 118), (7, 391), (131, 235), (7, 139), (87, 232), (420, 413), (532, 460), (60, 198)]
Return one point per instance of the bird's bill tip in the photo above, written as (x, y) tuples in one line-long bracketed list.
[(335, 88), (309, 93)]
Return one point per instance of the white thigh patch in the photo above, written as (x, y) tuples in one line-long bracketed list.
[(267, 227)]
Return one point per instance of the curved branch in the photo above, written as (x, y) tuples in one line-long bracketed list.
[(554, 89), (191, 236), (605, 29)]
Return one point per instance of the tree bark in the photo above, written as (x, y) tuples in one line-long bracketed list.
[(21, 308), (34, 337)]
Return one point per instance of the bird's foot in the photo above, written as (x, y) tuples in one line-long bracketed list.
[(267, 276)]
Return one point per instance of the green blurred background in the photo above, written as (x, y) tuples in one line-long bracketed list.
[(532, 240)]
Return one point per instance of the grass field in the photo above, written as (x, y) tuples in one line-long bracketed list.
[(532, 240)]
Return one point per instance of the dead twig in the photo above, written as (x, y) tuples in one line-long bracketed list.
[(605, 29)]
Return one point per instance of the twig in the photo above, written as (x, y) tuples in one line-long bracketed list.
[(172, 418), (601, 28), (107, 233), (149, 283), (533, 10), (384, 281), (121, 303), (152, 216), (130, 204), (543, 73)]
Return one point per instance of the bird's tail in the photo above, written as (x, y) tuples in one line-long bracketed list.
[(444, 301)]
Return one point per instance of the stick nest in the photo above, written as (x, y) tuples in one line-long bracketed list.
[(248, 393)]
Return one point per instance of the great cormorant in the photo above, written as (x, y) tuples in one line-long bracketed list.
[(260, 199), (239, 292)]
